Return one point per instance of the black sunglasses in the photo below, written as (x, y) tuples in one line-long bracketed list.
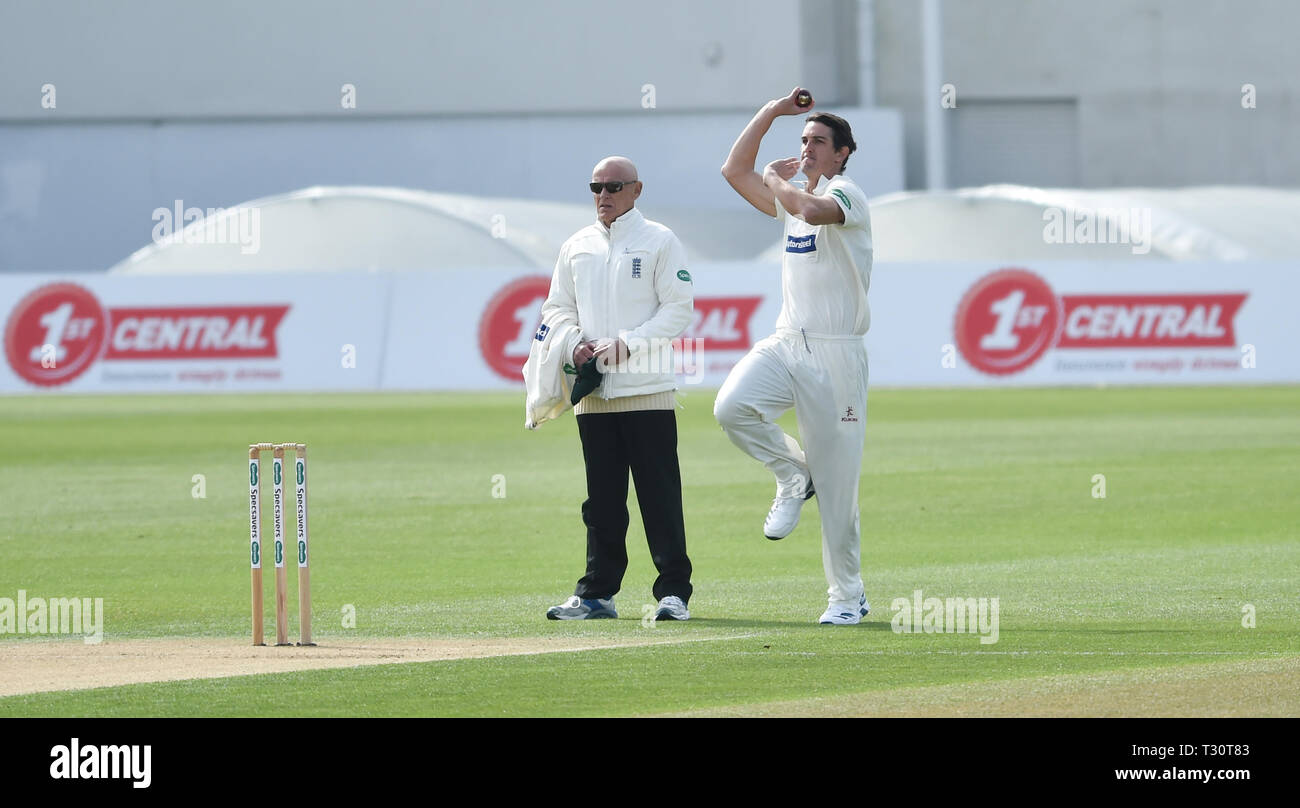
[(613, 187)]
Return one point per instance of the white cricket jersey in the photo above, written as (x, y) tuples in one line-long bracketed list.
[(827, 268)]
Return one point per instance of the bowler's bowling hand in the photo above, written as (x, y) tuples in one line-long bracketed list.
[(790, 104)]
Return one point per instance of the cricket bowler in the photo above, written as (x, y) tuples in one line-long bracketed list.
[(816, 361)]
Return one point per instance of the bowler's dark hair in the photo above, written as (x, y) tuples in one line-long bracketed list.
[(841, 134)]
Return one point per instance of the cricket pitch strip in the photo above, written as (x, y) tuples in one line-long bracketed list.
[(42, 666)]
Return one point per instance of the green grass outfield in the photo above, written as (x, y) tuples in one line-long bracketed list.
[(964, 494)]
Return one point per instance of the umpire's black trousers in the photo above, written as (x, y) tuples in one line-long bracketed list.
[(646, 443)]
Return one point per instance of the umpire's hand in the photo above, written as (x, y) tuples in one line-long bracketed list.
[(610, 353), (584, 352)]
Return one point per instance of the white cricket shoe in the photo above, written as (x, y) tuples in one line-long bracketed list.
[(784, 515), (576, 608), (845, 614), (672, 608)]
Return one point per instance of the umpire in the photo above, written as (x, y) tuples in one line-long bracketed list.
[(623, 282)]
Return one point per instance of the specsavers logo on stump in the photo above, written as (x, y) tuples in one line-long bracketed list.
[(1010, 318), (58, 331)]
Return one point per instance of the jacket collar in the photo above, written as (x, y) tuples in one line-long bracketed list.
[(628, 221)]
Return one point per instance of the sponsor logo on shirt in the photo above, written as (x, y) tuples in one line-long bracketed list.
[(684, 275), (843, 197), (801, 244), (542, 331), (849, 415)]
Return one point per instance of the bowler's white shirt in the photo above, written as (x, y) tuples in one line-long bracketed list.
[(826, 268)]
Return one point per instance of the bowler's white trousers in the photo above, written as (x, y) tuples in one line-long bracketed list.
[(825, 379)]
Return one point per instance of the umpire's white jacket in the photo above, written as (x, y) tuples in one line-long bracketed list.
[(631, 282)]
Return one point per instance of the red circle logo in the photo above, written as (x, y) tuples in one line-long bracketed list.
[(509, 323), (55, 334), (1006, 321)]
